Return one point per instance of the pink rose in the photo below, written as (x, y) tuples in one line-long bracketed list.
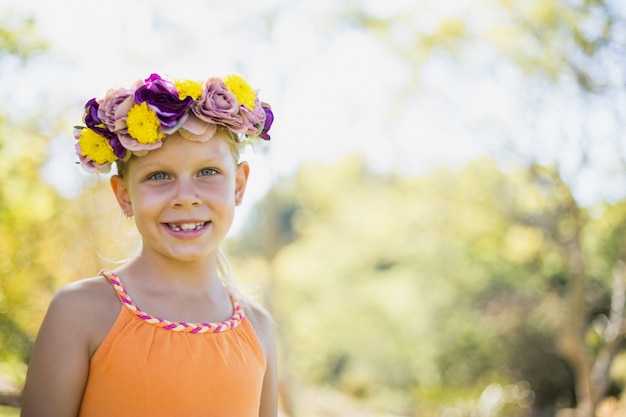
[(218, 105), (197, 130), (255, 118), (137, 148), (110, 103)]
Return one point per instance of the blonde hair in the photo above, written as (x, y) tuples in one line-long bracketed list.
[(225, 273)]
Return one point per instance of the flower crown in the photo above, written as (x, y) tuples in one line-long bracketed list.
[(135, 121)]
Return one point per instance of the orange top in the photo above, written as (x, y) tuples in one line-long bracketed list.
[(148, 366)]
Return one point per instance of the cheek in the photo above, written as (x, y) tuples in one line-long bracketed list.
[(221, 197), (146, 202), (219, 191), (230, 193)]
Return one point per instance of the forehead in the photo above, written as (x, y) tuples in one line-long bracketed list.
[(177, 150)]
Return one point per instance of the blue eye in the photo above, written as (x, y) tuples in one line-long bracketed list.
[(207, 172), (158, 176)]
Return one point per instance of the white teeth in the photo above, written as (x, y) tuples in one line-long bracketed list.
[(185, 226)]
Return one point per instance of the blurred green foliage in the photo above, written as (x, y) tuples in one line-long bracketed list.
[(412, 292), (19, 38), (9, 412), (26, 214), (41, 233)]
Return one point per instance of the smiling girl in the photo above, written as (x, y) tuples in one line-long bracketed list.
[(166, 334)]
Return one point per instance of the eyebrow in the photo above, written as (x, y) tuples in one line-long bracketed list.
[(216, 159)]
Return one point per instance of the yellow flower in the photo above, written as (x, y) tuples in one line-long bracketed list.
[(95, 147), (143, 124), (188, 88), (242, 90)]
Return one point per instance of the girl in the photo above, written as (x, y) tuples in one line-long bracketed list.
[(166, 334)]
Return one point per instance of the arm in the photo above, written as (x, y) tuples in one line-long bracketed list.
[(264, 327), (59, 363)]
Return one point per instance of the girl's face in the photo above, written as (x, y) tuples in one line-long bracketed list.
[(183, 196)]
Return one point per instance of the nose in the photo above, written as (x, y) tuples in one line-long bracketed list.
[(185, 194)]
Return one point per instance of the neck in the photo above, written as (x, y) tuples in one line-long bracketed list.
[(157, 270)]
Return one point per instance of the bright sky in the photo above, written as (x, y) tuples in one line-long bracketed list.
[(333, 89)]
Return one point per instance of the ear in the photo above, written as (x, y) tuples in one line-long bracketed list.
[(121, 194), (241, 179)]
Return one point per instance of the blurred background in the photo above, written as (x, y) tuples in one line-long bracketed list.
[(437, 224)]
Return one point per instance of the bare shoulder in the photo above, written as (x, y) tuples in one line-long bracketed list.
[(78, 318), (88, 306), (89, 294), (84, 290), (263, 323), (264, 328)]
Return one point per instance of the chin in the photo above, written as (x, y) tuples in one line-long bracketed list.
[(189, 257)]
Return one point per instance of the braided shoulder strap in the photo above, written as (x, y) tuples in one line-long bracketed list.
[(216, 327)]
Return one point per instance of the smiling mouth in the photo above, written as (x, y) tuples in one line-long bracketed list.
[(186, 227)]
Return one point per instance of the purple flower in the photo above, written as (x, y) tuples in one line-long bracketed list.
[(162, 97), (218, 105), (118, 149), (269, 119), (92, 120)]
